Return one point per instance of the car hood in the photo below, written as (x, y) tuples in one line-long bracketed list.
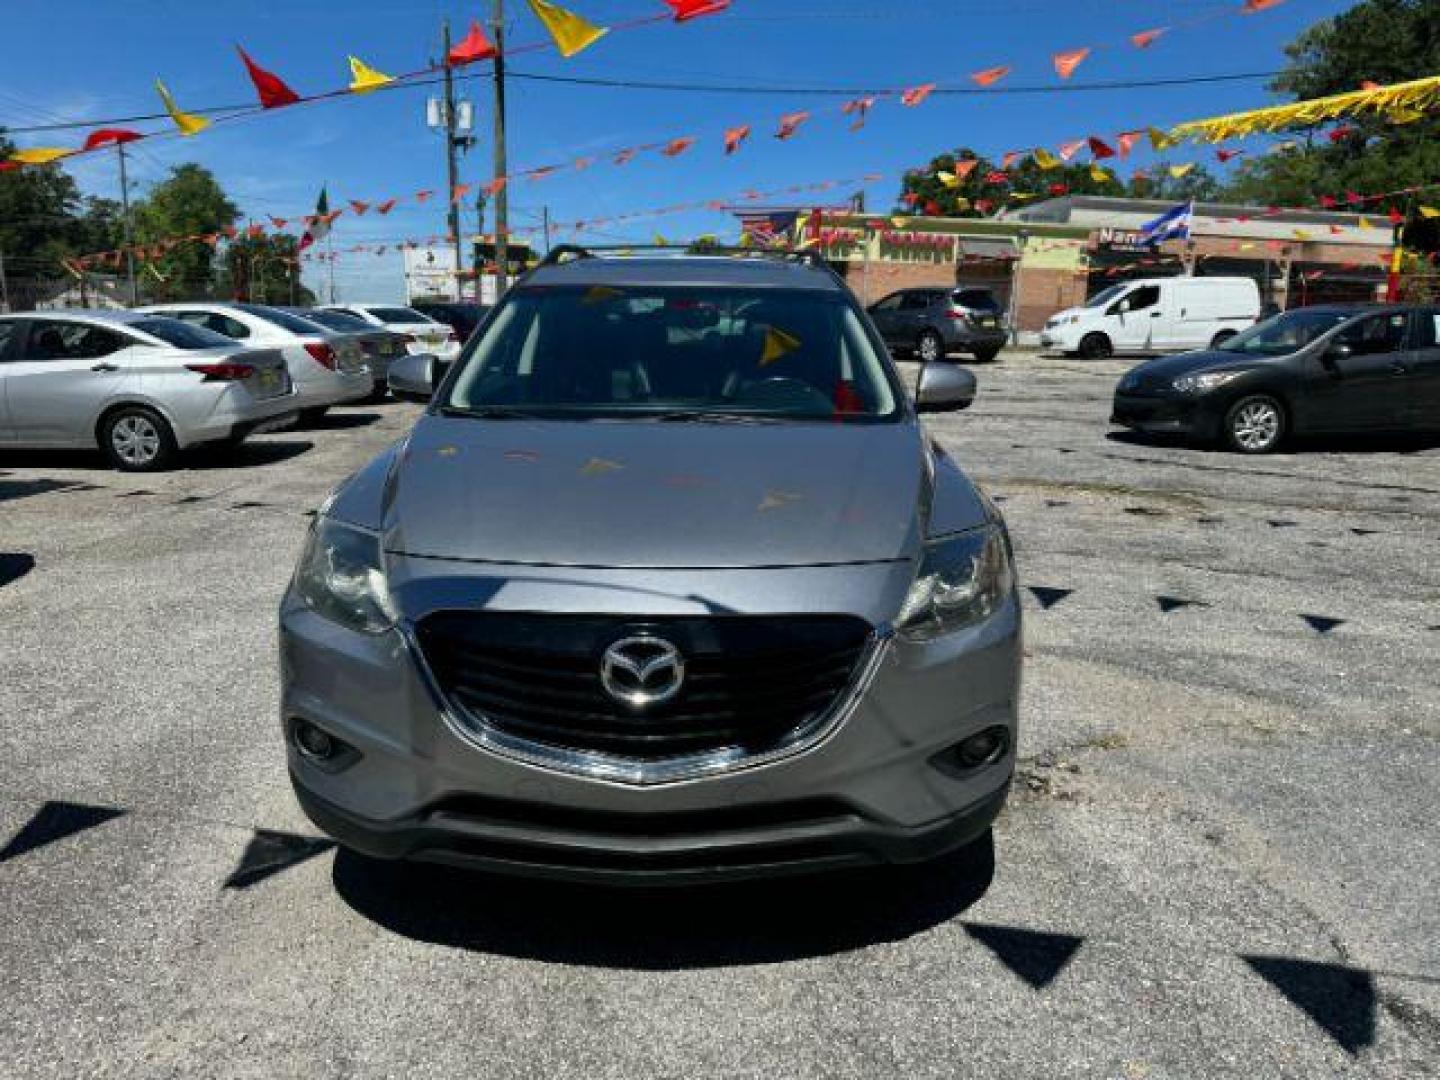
[(1164, 369), (652, 494)]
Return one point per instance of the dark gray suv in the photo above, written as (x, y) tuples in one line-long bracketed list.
[(666, 584), (933, 322)]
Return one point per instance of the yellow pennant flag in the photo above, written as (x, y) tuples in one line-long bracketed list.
[(899, 222), (1179, 171), (1159, 140), (949, 179), (40, 155), (365, 78), (570, 31), (1021, 196), (1364, 223), (660, 241), (777, 344), (1045, 159), (1429, 212), (1403, 115), (1301, 234), (1100, 174), (188, 123)]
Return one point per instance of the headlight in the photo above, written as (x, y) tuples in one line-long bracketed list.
[(1071, 319), (341, 576), (962, 579), (1200, 384)]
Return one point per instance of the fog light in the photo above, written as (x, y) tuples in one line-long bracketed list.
[(982, 748), (314, 743)]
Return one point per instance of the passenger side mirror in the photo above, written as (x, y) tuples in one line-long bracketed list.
[(944, 387), (413, 377)]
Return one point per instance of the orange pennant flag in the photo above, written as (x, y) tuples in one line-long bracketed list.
[(966, 167), (1070, 149), (735, 136), (494, 187), (1011, 156), (1252, 6), (915, 95), (1126, 141), (624, 157), (676, 147), (421, 196), (990, 76), (1067, 62), (359, 207), (1145, 38), (790, 123), (386, 206), (457, 193), (278, 222)]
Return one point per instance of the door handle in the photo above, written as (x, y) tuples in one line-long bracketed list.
[(102, 366), (1156, 314)]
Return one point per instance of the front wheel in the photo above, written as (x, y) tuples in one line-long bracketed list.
[(929, 347), (1254, 424), (1096, 347), (137, 439)]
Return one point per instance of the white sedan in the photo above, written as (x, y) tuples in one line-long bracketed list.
[(427, 335)]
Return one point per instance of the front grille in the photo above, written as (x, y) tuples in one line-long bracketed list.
[(752, 684)]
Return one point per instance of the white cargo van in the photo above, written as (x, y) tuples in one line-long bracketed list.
[(1155, 315)]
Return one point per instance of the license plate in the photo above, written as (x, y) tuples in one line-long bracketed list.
[(269, 379), (989, 320)]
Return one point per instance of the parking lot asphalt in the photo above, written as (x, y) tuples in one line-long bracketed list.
[(1221, 856)]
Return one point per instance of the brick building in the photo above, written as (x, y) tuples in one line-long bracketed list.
[(1054, 254)]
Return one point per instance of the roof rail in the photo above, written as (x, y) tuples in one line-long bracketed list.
[(563, 253)]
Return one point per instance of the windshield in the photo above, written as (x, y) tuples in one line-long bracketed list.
[(686, 353), (183, 335), (336, 320), (398, 315), (282, 319), (1285, 334), (1104, 296)]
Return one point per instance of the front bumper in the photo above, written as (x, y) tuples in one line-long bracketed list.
[(1180, 416), (880, 787)]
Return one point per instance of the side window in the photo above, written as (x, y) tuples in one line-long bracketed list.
[(1146, 296), (221, 323), (7, 335), (1424, 330), (71, 341), (1376, 334), (916, 301), (890, 303)]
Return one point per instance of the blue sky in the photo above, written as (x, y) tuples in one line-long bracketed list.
[(101, 61)]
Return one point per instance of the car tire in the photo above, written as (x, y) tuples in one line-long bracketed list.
[(986, 356), (137, 439), (311, 417), (1255, 424), (929, 347), (1220, 338), (1096, 347)]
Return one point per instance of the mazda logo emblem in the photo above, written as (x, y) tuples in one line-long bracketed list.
[(642, 671)]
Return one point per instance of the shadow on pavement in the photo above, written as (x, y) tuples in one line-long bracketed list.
[(1300, 444), (245, 455), (339, 421), (662, 929), (14, 565)]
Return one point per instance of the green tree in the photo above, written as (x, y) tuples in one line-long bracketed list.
[(190, 202), (1384, 41), (1158, 183), (263, 269)]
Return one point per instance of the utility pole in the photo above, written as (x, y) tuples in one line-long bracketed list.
[(125, 227), (4, 286), (502, 195), (452, 169), (545, 218)]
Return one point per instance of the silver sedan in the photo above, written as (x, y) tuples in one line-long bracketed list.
[(139, 386)]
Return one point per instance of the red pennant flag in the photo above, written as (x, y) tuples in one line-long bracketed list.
[(109, 136), (990, 76), (230, 231), (256, 231), (581, 164), (7, 165), (995, 176), (359, 207), (676, 147), (735, 136), (932, 208), (457, 193), (1070, 149), (278, 223), (1226, 155), (1145, 38), (386, 206), (1340, 134), (1099, 148), (474, 46), (984, 205), (1252, 6), (535, 175), (685, 10), (421, 196), (1396, 217), (1067, 62), (1354, 198), (1336, 230), (624, 156), (1059, 189), (1328, 202), (790, 123), (1369, 84), (1126, 141), (910, 198), (916, 94), (494, 187), (274, 94), (966, 167)]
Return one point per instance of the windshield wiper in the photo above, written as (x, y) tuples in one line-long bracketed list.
[(714, 416), (487, 412)]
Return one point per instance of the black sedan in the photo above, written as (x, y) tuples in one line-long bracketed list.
[(1313, 370)]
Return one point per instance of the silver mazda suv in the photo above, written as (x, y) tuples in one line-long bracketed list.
[(666, 584)]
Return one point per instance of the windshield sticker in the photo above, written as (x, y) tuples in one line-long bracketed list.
[(778, 344)]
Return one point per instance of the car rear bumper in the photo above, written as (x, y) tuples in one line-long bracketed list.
[(335, 389), (1164, 416), (966, 339), (229, 422)]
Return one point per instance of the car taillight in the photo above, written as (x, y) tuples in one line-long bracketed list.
[(222, 372), (957, 313), (322, 353)]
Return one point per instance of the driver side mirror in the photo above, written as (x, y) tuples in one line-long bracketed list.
[(1334, 354), (413, 377), (944, 387)]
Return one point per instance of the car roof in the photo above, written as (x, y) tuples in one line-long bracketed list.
[(687, 271), (104, 315)]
